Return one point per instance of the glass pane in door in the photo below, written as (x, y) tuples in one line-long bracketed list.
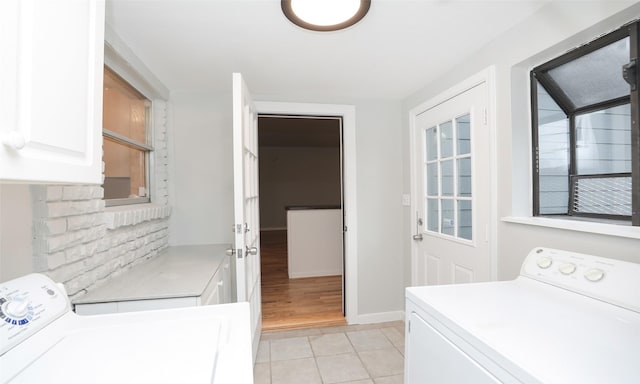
[(432, 215), (463, 130), (431, 144), (447, 178), (464, 219), (446, 139), (432, 179), (464, 177), (448, 217)]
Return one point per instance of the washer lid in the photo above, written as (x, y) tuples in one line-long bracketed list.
[(540, 333), (131, 353)]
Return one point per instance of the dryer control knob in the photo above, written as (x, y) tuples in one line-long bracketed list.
[(567, 268), (544, 262), (16, 309), (594, 274)]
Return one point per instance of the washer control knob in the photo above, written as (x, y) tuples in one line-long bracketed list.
[(544, 262), (567, 268), (594, 274), (16, 309)]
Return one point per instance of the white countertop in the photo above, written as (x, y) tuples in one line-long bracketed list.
[(179, 271)]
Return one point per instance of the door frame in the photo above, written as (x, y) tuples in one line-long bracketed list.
[(485, 76), (348, 114)]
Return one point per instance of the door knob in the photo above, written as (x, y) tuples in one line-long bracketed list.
[(418, 235), (252, 251), (230, 251)]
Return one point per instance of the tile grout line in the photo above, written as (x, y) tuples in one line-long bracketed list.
[(344, 332), (359, 358), (315, 360)]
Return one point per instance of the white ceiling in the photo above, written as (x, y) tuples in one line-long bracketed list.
[(399, 47)]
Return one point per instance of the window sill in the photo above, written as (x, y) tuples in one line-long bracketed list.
[(125, 215), (608, 229)]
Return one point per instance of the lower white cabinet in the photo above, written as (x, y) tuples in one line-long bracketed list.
[(182, 276)]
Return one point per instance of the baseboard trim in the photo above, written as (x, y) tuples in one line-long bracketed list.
[(300, 275), (273, 229), (380, 317)]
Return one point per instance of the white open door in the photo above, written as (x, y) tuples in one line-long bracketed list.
[(246, 204)]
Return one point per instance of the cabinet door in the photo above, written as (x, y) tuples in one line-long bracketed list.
[(226, 281), (51, 90)]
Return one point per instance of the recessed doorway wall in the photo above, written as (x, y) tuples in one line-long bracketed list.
[(300, 165), (300, 173)]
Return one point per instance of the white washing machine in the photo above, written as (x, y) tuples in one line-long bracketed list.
[(568, 318), (43, 341)]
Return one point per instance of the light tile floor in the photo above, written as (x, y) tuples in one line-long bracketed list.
[(352, 354)]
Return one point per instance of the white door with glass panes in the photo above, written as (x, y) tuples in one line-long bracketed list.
[(246, 205), (451, 241)]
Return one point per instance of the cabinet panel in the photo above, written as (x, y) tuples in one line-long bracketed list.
[(218, 290), (432, 358), (211, 295), (51, 102)]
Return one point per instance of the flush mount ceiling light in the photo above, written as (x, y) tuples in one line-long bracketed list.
[(325, 15)]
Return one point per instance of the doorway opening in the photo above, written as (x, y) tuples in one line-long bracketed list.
[(301, 221)]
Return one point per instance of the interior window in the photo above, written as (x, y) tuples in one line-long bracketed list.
[(585, 119), (126, 141)]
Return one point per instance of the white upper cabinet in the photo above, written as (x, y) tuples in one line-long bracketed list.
[(51, 90)]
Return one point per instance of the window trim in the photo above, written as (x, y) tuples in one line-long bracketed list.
[(125, 140), (538, 76), (578, 224), (634, 48), (123, 61)]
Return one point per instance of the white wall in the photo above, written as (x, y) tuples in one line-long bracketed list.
[(202, 187), (380, 237), (296, 176), (556, 28), (15, 231), (201, 173)]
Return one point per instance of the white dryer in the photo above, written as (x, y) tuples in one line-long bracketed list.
[(568, 318), (43, 341)]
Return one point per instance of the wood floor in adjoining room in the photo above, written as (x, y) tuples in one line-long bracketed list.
[(295, 303)]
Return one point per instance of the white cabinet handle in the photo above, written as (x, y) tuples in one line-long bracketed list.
[(14, 140)]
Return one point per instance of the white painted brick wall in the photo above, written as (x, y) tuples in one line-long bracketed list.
[(79, 242)]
